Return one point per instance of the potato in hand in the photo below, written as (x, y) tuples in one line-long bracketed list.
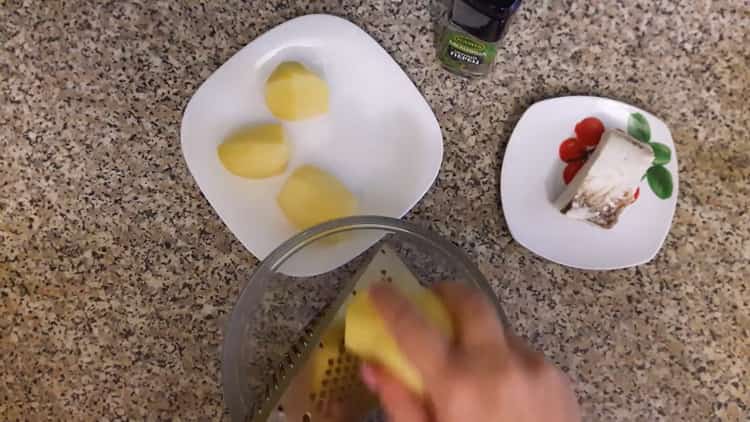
[(255, 152), (367, 336), (295, 93)]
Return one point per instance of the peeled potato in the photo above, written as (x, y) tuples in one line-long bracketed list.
[(367, 336), (312, 196), (255, 152), (295, 93)]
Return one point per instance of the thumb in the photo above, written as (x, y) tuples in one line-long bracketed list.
[(399, 404)]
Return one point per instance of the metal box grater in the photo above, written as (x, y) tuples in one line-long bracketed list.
[(281, 355)]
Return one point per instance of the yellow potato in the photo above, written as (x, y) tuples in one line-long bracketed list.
[(295, 93), (366, 334), (255, 152), (312, 196)]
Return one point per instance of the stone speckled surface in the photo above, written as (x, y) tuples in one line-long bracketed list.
[(116, 276)]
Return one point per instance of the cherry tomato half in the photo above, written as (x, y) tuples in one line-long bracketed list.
[(572, 150), (571, 169), (589, 131)]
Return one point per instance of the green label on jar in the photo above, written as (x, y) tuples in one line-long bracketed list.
[(460, 51)]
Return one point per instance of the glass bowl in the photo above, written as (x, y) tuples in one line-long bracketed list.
[(289, 290)]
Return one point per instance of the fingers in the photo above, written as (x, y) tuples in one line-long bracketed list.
[(477, 322), (422, 343), (400, 404), (530, 358)]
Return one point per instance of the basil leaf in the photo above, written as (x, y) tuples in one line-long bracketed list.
[(662, 153), (660, 181), (638, 127)]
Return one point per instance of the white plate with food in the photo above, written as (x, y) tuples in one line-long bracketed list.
[(311, 121), (590, 182)]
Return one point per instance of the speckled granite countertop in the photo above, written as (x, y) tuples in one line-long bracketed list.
[(116, 276)]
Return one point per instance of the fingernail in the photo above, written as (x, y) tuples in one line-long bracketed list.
[(369, 377)]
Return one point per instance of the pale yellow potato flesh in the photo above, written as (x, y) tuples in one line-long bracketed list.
[(255, 152), (367, 336), (312, 196), (295, 93)]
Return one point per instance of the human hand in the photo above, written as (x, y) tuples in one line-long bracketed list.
[(485, 374)]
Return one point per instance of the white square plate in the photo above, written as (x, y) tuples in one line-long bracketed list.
[(380, 138), (531, 179)]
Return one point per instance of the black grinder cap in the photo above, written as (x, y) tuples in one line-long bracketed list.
[(484, 19)]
